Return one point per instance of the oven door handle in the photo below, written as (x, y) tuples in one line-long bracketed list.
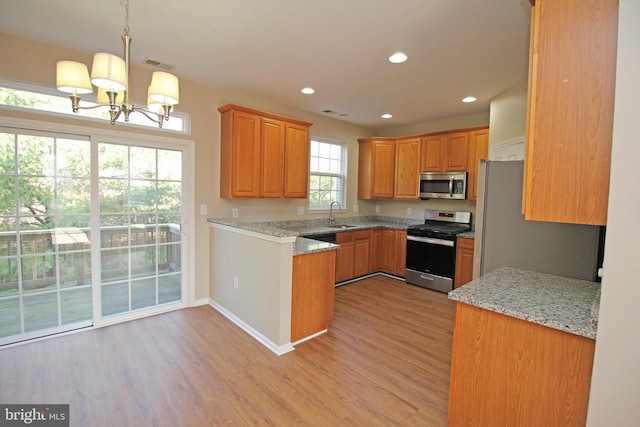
[(440, 242)]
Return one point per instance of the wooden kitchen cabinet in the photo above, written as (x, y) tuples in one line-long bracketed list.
[(262, 154), (375, 258), (445, 152), (362, 252), (401, 253), (376, 168), (407, 168), (312, 293), (511, 372), (388, 251), (464, 261), (478, 149), (572, 68), (344, 257)]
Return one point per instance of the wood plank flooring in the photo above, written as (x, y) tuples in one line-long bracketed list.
[(385, 361)]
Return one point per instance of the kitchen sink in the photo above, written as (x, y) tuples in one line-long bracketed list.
[(341, 226)]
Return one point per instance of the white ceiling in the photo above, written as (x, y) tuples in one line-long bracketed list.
[(273, 48)]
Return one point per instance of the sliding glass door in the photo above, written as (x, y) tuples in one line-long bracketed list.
[(89, 230)]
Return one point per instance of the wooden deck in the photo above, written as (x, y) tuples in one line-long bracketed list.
[(385, 361)]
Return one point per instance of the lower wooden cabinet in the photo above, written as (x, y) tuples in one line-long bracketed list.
[(344, 260), (401, 253), (312, 293), (361, 252), (510, 372), (375, 258), (464, 261)]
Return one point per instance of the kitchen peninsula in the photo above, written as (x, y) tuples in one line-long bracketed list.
[(253, 265)]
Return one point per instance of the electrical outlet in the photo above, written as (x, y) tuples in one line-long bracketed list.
[(355, 208), (300, 210), (234, 212), (235, 282), (203, 209), (377, 209), (408, 211)]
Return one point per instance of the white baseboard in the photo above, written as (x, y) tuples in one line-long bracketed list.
[(199, 302), (277, 349)]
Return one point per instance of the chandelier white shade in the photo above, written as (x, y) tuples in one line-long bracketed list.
[(164, 88), (110, 74), (73, 77)]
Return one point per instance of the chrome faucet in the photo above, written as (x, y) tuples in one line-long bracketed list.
[(332, 217)]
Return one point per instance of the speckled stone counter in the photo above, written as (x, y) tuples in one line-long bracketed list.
[(468, 235), (307, 246), (557, 302), (308, 228)]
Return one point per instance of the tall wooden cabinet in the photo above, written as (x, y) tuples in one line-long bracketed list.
[(407, 168), (570, 110), (376, 168), (446, 152), (478, 149), (262, 154)]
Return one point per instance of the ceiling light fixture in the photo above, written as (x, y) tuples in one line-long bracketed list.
[(110, 74), (386, 116), (308, 91), (469, 99), (398, 58)]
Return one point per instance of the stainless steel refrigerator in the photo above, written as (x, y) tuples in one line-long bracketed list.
[(504, 238)]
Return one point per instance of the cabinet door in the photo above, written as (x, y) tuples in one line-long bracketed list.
[(362, 253), (388, 252), (570, 115), (401, 252), (272, 154), (375, 258), (383, 168), (432, 154), (312, 293), (456, 151), (464, 262), (245, 155), (296, 161), (344, 256), (407, 168), (478, 149)]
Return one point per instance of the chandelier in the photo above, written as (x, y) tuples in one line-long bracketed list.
[(110, 74)]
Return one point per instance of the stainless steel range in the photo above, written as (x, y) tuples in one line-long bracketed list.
[(431, 249)]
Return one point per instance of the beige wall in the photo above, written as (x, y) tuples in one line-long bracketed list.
[(447, 123), (615, 386), (508, 114)]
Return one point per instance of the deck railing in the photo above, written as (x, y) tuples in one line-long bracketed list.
[(72, 246)]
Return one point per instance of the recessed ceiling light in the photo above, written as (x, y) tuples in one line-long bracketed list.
[(469, 99), (308, 90), (386, 116), (398, 57)]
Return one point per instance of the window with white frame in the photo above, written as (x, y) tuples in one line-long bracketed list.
[(327, 173), (14, 94)]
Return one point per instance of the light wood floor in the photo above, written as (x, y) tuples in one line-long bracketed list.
[(385, 361)]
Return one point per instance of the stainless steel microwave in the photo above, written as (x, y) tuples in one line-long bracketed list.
[(443, 185)]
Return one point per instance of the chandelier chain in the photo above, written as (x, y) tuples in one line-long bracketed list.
[(125, 3)]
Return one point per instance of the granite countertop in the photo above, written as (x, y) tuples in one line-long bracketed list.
[(468, 235), (307, 228), (557, 302)]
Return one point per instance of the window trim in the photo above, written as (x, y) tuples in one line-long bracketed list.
[(343, 175), (49, 91)]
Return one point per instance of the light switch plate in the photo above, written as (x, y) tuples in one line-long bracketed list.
[(355, 208), (377, 209), (203, 209), (234, 212), (408, 211), (300, 210)]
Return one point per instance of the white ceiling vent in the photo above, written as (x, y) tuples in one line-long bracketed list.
[(158, 64), (335, 113)]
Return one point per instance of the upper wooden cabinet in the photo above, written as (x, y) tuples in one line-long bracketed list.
[(262, 154), (376, 168), (388, 168), (407, 168), (445, 152), (478, 149), (570, 110)]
